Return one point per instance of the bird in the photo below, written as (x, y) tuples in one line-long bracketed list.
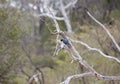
[(66, 42)]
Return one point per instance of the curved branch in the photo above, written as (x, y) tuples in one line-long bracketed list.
[(89, 74), (95, 49), (68, 79), (106, 30), (77, 57)]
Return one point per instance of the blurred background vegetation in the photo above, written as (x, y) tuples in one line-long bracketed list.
[(26, 45)]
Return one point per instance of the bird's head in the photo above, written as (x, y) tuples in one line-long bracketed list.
[(61, 39), (65, 41)]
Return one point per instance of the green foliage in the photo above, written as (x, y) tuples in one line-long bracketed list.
[(16, 27), (20, 79), (10, 33), (116, 14), (62, 55), (44, 61)]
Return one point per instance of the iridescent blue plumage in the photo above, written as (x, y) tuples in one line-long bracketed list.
[(65, 41)]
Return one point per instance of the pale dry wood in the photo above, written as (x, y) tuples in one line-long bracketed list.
[(74, 52), (90, 74), (106, 30), (66, 18), (95, 49)]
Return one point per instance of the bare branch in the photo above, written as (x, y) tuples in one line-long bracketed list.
[(57, 48), (71, 4), (34, 78), (106, 30), (76, 76), (74, 53), (93, 72), (89, 74), (95, 49), (55, 21), (66, 18)]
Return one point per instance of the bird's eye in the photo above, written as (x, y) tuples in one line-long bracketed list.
[(61, 40)]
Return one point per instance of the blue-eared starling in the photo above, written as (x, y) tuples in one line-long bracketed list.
[(66, 42)]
